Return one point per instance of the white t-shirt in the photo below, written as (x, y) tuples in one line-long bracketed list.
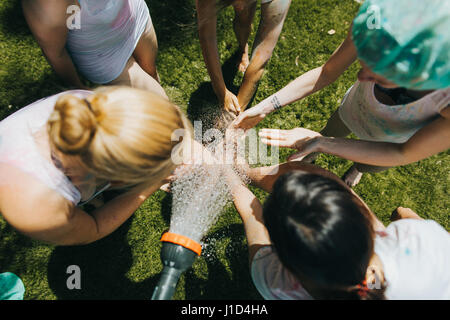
[(107, 36), (372, 120), (416, 260), (18, 146), (415, 256)]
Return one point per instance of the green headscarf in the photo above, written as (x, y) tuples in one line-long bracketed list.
[(405, 41)]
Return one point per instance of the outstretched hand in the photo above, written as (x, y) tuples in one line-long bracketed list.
[(298, 138), (248, 119)]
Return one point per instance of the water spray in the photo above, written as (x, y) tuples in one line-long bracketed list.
[(198, 197), (178, 253)]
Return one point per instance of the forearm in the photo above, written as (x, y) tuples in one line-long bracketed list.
[(250, 83), (47, 21), (115, 212), (383, 154), (251, 212), (63, 66), (207, 21), (305, 85), (315, 79), (212, 61)]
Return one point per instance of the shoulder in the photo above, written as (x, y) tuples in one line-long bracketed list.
[(413, 235), (415, 259), (272, 280), (46, 12), (416, 227), (441, 99)]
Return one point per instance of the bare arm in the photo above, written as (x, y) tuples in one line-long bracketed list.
[(305, 85), (44, 215), (265, 177), (428, 141), (47, 21), (207, 29), (273, 15), (316, 79), (251, 212)]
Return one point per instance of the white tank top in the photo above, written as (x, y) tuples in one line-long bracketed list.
[(108, 34), (371, 120), (18, 147)]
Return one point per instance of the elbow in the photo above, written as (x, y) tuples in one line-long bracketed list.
[(76, 238), (70, 241), (404, 155), (327, 75), (54, 54)]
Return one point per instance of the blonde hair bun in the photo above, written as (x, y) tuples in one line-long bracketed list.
[(73, 124), (120, 133)]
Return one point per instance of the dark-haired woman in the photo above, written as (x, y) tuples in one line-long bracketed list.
[(316, 239), (273, 14)]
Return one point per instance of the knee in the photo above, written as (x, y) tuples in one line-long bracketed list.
[(140, 79), (153, 86), (404, 213)]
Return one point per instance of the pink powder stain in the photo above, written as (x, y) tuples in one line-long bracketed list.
[(124, 15)]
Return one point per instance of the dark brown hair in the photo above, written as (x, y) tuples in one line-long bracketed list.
[(321, 234)]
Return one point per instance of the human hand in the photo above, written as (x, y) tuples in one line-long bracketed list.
[(248, 119), (230, 103), (304, 140)]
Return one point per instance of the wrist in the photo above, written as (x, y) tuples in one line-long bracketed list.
[(272, 104), (220, 91), (264, 107), (318, 144)]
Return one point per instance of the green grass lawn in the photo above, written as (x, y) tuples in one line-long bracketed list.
[(126, 264)]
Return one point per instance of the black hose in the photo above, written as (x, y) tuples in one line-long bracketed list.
[(176, 259)]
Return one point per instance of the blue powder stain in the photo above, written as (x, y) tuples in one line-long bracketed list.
[(407, 251)]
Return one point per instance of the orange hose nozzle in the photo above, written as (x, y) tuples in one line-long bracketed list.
[(183, 241)]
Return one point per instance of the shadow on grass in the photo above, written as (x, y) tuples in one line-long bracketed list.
[(175, 21), (230, 281), (203, 101), (13, 21), (104, 265), (21, 89)]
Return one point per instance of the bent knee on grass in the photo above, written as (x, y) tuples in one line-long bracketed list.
[(404, 213), (134, 76)]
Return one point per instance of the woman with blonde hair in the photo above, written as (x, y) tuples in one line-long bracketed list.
[(62, 151)]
